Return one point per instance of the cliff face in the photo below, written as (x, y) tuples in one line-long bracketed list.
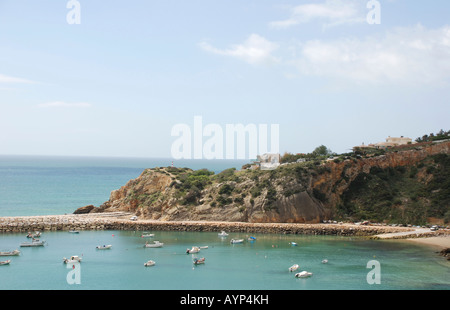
[(172, 194), (337, 176), (293, 193)]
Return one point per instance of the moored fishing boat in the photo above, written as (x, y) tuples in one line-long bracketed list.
[(34, 243), (72, 260), (195, 249), (36, 234), (233, 241), (155, 244), (150, 263), (223, 234), (147, 235), (198, 261), (10, 253), (293, 267), (6, 262), (103, 247), (303, 274)]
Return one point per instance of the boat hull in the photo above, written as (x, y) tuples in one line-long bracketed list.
[(199, 261), (222, 234), (155, 244), (236, 241), (194, 250), (13, 253), (303, 274), (293, 268), (33, 244)]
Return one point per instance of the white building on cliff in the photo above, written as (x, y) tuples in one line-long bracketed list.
[(390, 142)]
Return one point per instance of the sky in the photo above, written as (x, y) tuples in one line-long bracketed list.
[(117, 81)]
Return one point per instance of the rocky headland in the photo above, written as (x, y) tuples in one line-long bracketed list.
[(405, 185)]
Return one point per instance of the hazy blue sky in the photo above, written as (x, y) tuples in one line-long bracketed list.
[(116, 84)]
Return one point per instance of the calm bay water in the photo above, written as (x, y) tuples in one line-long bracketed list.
[(259, 265), (55, 185)]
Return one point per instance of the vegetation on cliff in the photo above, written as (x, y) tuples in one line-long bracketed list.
[(407, 185), (405, 194), (441, 135)]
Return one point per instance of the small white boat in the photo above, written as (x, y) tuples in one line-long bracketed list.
[(303, 274), (198, 261), (204, 247), (223, 234), (6, 262), (34, 243), (293, 268), (74, 231), (149, 263), (233, 241), (155, 244), (293, 243), (72, 260), (147, 235), (195, 249), (36, 234), (10, 253), (103, 247), (325, 261)]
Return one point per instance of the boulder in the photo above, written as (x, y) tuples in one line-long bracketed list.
[(84, 210), (445, 253)]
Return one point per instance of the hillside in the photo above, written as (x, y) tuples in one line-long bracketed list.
[(405, 185)]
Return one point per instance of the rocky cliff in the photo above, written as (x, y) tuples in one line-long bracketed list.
[(307, 192)]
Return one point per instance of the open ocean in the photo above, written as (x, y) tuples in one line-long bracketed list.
[(45, 185), (59, 185)]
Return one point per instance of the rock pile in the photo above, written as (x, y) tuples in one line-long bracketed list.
[(446, 253), (121, 221), (58, 222)]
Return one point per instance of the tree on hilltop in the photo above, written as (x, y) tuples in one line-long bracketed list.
[(322, 151)]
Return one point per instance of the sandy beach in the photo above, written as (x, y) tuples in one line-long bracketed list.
[(440, 242)]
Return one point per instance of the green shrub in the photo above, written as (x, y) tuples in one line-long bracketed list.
[(255, 191), (222, 201), (226, 189)]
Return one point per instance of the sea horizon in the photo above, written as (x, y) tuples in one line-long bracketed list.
[(51, 185), (26, 158)]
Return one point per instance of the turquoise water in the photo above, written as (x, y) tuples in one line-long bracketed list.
[(259, 265), (58, 185)]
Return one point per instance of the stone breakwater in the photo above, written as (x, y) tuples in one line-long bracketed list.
[(417, 233), (58, 222), (121, 221)]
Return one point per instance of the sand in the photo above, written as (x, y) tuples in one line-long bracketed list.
[(439, 243)]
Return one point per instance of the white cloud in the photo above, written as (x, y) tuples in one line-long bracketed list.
[(255, 50), (331, 13), (403, 55), (62, 104), (10, 79)]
